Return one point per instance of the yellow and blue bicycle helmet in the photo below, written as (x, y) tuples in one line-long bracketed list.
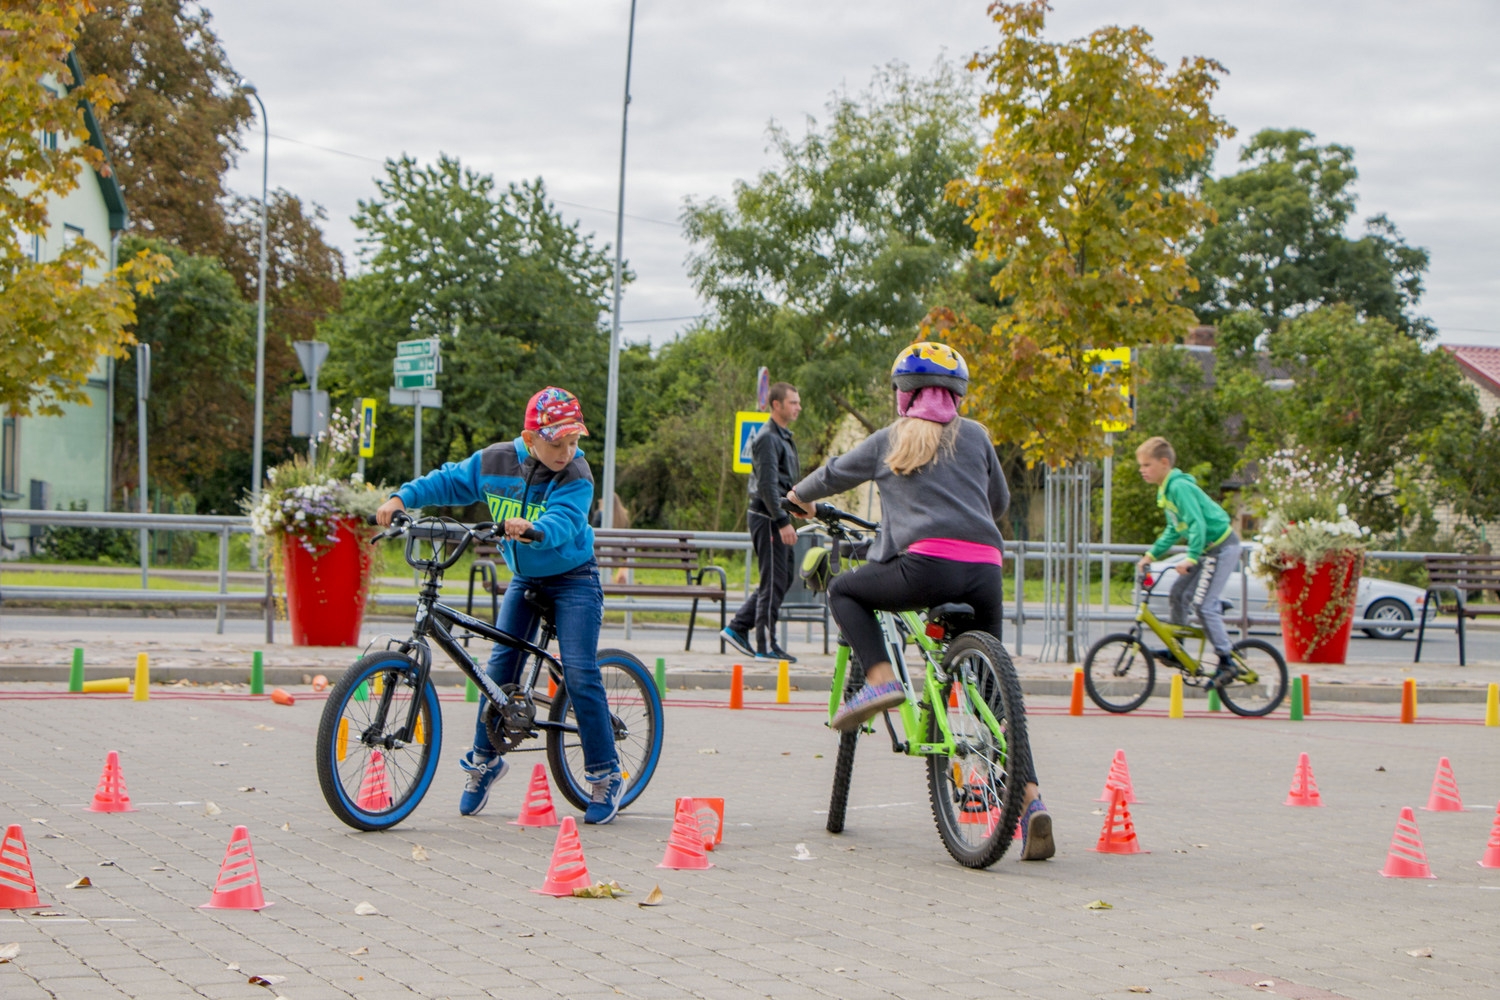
[(928, 363)]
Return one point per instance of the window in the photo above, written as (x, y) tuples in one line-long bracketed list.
[(49, 140), (71, 234)]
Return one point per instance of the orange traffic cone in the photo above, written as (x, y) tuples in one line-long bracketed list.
[(110, 796), (1118, 835), (536, 808), (375, 789), (1491, 857), (1119, 777), (17, 884), (685, 846), (975, 807), (710, 813), (568, 870), (238, 887), (1406, 858), (1304, 789), (1444, 796)]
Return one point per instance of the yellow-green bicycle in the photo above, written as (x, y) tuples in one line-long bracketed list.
[(1119, 671)]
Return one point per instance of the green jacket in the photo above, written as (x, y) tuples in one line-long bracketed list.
[(1191, 514)]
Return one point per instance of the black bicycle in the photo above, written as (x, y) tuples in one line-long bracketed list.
[(381, 731)]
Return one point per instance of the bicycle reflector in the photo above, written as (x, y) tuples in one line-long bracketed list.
[(1149, 580), (935, 631)]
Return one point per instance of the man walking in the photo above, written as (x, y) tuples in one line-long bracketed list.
[(774, 468)]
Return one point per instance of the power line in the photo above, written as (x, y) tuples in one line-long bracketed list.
[(571, 204)]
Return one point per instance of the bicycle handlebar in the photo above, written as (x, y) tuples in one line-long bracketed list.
[(828, 514), (402, 523)]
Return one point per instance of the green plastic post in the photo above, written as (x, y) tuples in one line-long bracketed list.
[(471, 690), (362, 693), (1213, 699), (257, 674), (75, 675), (1296, 699), (661, 676)]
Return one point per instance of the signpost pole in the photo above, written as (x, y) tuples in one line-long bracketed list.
[(142, 392), (416, 436), (612, 395), (312, 439), (1109, 494)]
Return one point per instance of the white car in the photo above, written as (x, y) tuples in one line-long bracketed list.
[(1377, 600)]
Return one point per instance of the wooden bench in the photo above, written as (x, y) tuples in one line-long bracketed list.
[(630, 550), (1459, 575)]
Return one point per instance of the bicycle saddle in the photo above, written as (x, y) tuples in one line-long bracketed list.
[(948, 611), (540, 602)]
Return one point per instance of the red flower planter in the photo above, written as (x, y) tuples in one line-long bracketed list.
[(326, 591), (1304, 603)]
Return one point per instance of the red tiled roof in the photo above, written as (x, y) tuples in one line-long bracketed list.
[(1482, 364)]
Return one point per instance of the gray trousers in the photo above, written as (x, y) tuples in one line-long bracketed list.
[(1202, 590)]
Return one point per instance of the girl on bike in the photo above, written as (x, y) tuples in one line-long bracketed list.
[(941, 493), (538, 480)]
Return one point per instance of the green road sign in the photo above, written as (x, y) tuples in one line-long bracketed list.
[(416, 363), (416, 380), (417, 348)]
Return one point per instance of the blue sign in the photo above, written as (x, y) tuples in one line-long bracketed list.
[(747, 424)]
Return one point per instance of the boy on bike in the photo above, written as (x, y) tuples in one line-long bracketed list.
[(942, 492), (1213, 547), (539, 480)]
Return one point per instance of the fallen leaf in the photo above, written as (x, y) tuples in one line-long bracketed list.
[(108, 864), (1100, 904), (233, 967), (786, 753), (358, 952), (266, 980), (158, 868), (1178, 850), (838, 968), (287, 827), (1381, 768), (1266, 984), (1257, 927), (817, 756), (45, 913), (803, 854), (366, 910), (9, 951), (221, 763), (1200, 845), (653, 898), (247, 788), (1098, 812), (1140, 989), (247, 744), (1420, 953), (41, 821), (82, 882), (527, 934), (262, 726), (418, 852), (210, 809), (600, 890), (708, 750)]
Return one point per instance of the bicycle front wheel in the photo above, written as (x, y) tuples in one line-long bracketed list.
[(1119, 672), (1261, 694), (636, 717), (371, 778), (977, 789)]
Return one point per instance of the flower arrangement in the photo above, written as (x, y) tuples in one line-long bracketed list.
[(307, 500)]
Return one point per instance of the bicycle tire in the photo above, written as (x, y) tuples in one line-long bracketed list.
[(1235, 695), (635, 704), (1140, 667), (843, 768), (998, 793), (345, 758)]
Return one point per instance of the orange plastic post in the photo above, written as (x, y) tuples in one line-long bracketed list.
[(1306, 695), (551, 686), (1409, 700), (737, 687), (953, 696), (1075, 706), (685, 845)]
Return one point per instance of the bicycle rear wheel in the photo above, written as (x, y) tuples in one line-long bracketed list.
[(977, 789), (1119, 672), (371, 779), (636, 715), (1261, 696), (843, 768)]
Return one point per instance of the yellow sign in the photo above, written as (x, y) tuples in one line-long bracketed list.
[(747, 424), (367, 428), (1114, 359)]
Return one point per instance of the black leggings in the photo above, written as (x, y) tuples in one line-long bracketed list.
[(910, 582)]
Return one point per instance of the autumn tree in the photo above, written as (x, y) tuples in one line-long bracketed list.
[(59, 315), (1084, 196), (175, 125)]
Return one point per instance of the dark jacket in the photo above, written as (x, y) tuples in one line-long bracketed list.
[(774, 467)]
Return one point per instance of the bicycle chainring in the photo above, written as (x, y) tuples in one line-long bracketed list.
[(511, 724)]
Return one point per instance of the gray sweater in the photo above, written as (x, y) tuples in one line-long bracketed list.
[(959, 495)]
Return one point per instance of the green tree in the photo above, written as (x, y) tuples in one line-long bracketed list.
[(56, 316), (200, 410), (1084, 198), (824, 265), (174, 130), (513, 292), (1280, 247)]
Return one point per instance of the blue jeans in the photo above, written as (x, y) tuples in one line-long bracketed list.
[(580, 611)]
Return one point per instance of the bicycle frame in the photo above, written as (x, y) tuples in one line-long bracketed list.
[(1169, 634)]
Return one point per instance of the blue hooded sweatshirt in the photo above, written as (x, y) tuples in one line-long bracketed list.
[(513, 483)]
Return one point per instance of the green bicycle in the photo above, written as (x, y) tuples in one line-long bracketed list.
[(1119, 671), (974, 740)]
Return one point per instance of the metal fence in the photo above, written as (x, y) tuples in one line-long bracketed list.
[(1020, 554)]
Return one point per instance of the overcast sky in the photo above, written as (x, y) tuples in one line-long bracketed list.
[(526, 88)]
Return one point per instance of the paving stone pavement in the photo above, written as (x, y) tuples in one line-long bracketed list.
[(1237, 889)]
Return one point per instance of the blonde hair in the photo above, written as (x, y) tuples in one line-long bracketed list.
[(1157, 447), (914, 443)]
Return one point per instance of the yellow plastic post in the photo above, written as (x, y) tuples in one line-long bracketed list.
[(783, 683), (1174, 705), (1492, 706), (112, 685), (142, 677)]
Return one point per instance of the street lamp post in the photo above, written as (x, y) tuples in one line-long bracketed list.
[(612, 403), (246, 87)]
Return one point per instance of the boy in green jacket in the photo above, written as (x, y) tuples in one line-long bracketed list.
[(1213, 547)]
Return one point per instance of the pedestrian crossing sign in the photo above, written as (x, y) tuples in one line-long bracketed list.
[(747, 424)]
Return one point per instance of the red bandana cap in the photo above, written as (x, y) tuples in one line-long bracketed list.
[(555, 413)]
